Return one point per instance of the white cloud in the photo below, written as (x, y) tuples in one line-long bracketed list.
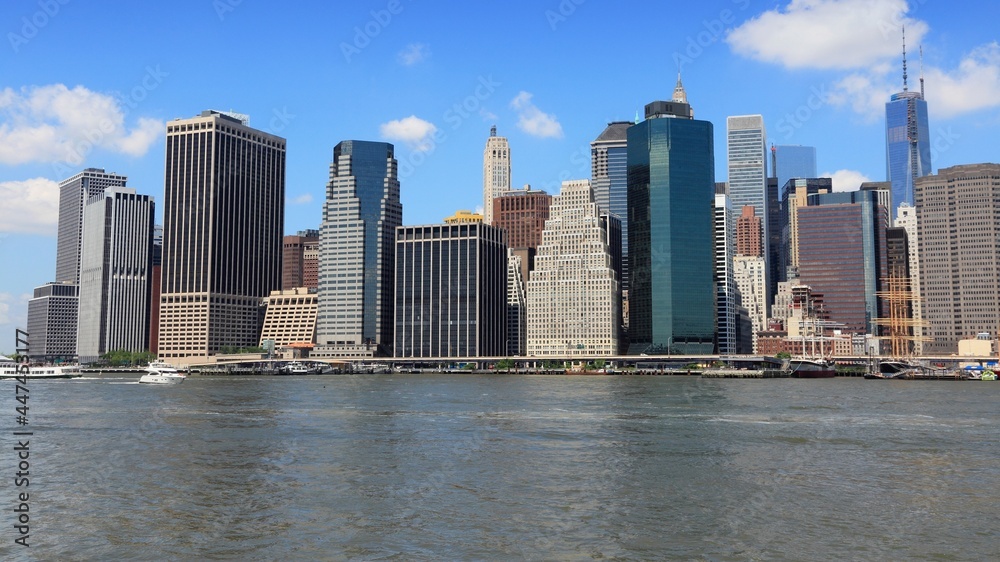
[(301, 199), (846, 180), (534, 121), (56, 124), (839, 34), (29, 206), (488, 116), (412, 130), (413, 53)]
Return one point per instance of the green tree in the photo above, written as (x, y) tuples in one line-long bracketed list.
[(782, 355), (505, 365)]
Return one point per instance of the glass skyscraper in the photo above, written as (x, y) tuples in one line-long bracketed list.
[(746, 145), (671, 190), (609, 173), (358, 251), (792, 161), (907, 144)]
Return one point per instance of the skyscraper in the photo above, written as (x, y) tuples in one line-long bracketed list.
[(748, 229), (671, 185), (727, 300), (746, 143), (796, 194), (792, 161), (609, 176), (115, 274), (906, 218), (52, 318), (573, 296), (357, 249), (451, 291), (73, 196), (224, 197), (300, 260), (907, 140), (496, 171), (958, 210), (842, 255)]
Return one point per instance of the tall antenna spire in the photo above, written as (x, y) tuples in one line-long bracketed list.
[(904, 59), (921, 72)]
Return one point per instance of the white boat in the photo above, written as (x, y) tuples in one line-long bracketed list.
[(299, 368), (159, 372), (9, 370)]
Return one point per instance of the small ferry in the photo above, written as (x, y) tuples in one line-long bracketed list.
[(8, 370)]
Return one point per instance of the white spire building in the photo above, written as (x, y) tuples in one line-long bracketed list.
[(573, 296), (496, 172)]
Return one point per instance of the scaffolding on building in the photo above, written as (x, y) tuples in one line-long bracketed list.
[(898, 326)]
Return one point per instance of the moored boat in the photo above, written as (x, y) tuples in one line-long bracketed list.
[(811, 369)]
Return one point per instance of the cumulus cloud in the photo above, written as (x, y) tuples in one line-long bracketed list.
[(413, 131), (29, 206), (836, 34), (534, 121), (301, 199), (414, 53), (846, 180), (57, 124), (488, 116)]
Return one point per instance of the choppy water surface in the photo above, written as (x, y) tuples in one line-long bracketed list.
[(424, 467)]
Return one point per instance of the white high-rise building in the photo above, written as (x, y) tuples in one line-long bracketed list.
[(906, 218), (749, 273), (496, 172), (746, 143), (574, 296), (725, 284), (115, 274)]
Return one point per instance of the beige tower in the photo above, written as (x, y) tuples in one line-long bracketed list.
[(496, 172), (573, 296)]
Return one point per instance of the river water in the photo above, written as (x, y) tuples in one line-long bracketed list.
[(470, 467)]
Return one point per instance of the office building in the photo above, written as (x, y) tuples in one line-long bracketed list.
[(749, 275), (52, 319), (496, 172), (573, 295), (73, 196), (746, 145), (957, 213), (522, 214), (907, 140), (727, 297), (224, 197), (792, 162), (115, 274), (517, 305), (300, 260), (671, 185), (906, 218), (609, 177), (358, 251), (290, 317), (748, 229), (451, 291), (156, 268), (796, 194), (842, 255)]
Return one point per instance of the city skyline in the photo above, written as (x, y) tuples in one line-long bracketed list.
[(436, 94)]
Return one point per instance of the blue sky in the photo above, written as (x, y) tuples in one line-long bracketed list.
[(91, 84)]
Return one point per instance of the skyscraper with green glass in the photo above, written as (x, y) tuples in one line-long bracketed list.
[(671, 186)]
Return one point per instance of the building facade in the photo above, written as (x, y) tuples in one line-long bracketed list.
[(907, 143), (792, 162), (796, 194), (73, 196), (464, 216), (957, 216), (727, 296), (906, 218), (496, 172), (573, 295), (748, 237), (842, 255), (115, 274), (517, 305), (358, 251), (52, 320), (223, 213), (609, 177), (290, 317), (300, 260), (671, 185), (451, 291)]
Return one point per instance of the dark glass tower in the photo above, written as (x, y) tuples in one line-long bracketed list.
[(671, 186)]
